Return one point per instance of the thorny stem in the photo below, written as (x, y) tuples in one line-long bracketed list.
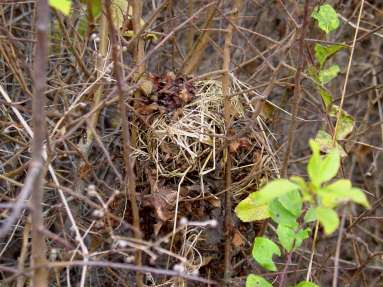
[(297, 90), (227, 119), (130, 178), (38, 256)]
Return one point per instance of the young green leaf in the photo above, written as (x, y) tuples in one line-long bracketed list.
[(257, 281), (292, 201), (326, 97), (328, 218), (310, 215), (247, 210), (341, 191), (323, 53), (321, 170), (272, 190), (306, 284), (300, 236), (303, 186), (281, 215), (327, 18), (326, 75), (61, 5), (263, 251), (286, 236)]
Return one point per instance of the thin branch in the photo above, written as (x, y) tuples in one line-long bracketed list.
[(38, 256), (297, 90)]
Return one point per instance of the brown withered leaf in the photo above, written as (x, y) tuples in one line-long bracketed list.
[(214, 201), (238, 144), (185, 96), (162, 198), (237, 240), (146, 86), (144, 109)]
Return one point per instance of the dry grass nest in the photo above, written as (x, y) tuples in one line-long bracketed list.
[(189, 141)]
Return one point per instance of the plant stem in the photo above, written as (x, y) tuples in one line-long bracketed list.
[(297, 90), (38, 256)]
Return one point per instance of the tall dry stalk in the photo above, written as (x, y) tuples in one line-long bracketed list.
[(38, 256)]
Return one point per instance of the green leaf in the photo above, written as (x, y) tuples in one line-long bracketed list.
[(281, 215), (321, 170), (247, 210), (306, 195), (326, 75), (327, 18), (345, 125), (323, 53), (263, 251), (95, 7), (326, 96), (326, 143), (286, 236), (257, 281), (272, 190), (341, 191), (310, 215), (61, 5), (306, 284), (292, 201), (328, 218), (300, 236)]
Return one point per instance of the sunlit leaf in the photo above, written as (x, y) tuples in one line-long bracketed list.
[(281, 215), (257, 281), (326, 75), (263, 251), (286, 236), (300, 236), (63, 6), (247, 210), (272, 190), (292, 201), (341, 191), (322, 169), (323, 53), (310, 215), (327, 18), (328, 218)]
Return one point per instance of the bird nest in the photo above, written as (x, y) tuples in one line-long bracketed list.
[(190, 139)]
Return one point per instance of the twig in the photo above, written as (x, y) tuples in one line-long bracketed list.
[(194, 56), (347, 74), (337, 252), (130, 178), (227, 118), (297, 90)]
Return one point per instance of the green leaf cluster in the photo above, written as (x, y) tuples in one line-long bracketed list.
[(282, 200)]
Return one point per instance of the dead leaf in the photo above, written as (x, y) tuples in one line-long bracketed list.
[(237, 240), (238, 144), (146, 86), (185, 96)]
